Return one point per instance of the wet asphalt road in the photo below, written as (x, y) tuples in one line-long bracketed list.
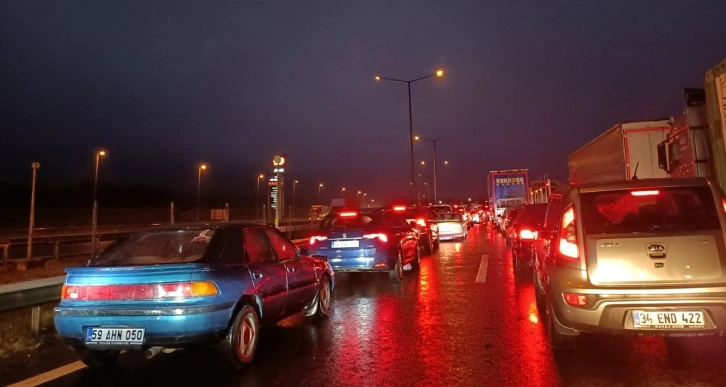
[(437, 327)]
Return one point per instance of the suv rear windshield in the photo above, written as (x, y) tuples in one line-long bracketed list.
[(662, 209), (532, 214), (343, 223)]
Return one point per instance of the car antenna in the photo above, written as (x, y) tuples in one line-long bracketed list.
[(635, 173)]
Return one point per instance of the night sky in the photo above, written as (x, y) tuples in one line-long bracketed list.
[(164, 85)]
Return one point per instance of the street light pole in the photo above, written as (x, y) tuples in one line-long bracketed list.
[(257, 197), (434, 141), (342, 189), (439, 74), (292, 212), (94, 220), (199, 184), (320, 187), (35, 165)]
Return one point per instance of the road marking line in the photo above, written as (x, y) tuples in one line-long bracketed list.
[(481, 276), (51, 375)]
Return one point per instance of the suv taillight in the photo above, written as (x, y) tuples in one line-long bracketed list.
[(568, 234), (381, 236), (421, 222), (317, 238), (527, 234)]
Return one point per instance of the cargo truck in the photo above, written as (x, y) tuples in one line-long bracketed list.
[(686, 151), (714, 82), (507, 188), (615, 154)]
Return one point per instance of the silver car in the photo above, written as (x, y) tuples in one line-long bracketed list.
[(640, 257)]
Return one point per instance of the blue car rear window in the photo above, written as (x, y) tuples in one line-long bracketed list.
[(158, 247)]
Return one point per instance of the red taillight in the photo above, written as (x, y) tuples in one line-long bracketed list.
[(381, 236), (139, 291), (348, 214), (645, 193), (317, 238), (575, 299), (568, 234), (421, 222), (723, 204), (527, 234)]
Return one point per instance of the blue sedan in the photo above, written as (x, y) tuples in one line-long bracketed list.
[(163, 290), (368, 240)]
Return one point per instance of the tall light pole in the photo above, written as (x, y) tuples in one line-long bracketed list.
[(201, 167), (320, 187), (257, 196), (294, 184), (342, 189), (35, 165), (439, 73), (434, 141), (94, 221)]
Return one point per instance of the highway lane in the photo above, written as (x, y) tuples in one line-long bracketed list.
[(461, 320)]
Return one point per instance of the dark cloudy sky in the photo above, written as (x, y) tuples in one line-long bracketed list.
[(165, 84)]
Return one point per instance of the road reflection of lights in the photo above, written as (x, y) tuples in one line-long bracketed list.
[(457, 247), (533, 315)]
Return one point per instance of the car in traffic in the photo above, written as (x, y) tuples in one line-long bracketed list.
[(452, 226), (422, 219), (367, 240), (641, 257), (167, 289), (522, 234), (505, 222)]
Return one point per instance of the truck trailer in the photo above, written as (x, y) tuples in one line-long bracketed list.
[(714, 82), (686, 151), (615, 154), (507, 188)]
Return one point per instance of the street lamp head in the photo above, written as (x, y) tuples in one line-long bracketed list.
[(297, 181), (446, 162), (377, 78), (416, 138), (260, 176), (102, 153), (423, 162), (202, 167), (320, 185), (439, 73)]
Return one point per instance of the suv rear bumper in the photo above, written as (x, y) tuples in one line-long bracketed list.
[(610, 310)]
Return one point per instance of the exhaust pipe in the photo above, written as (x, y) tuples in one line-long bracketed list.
[(151, 352)]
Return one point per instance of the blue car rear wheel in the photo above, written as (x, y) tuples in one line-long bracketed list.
[(240, 344)]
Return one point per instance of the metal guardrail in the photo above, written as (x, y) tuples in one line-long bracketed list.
[(30, 293)]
